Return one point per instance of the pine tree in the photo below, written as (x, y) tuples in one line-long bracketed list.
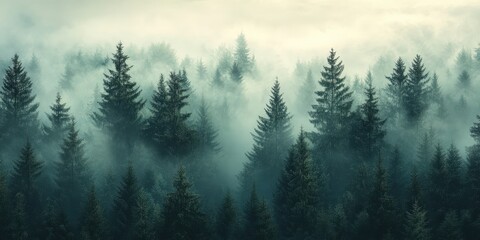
[(331, 111), (437, 186), (257, 223), (296, 200), (181, 212), (416, 91), (473, 178), (372, 130), (450, 228), (144, 213), (454, 182), (242, 55), (120, 106), (381, 207), (396, 174), (464, 81), (416, 226), (59, 120), (124, 207), (272, 138), (396, 88), (18, 225), (226, 218), (72, 173), (19, 109), (206, 134), (415, 194), (156, 125), (236, 73), (55, 223), (425, 151), (435, 91), (26, 171), (92, 227)]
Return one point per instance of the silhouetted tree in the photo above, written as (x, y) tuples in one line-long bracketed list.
[(257, 223), (124, 207), (453, 181), (226, 221), (143, 213), (59, 120), (242, 55), (416, 225), (416, 91), (396, 88), (92, 224), (235, 73), (464, 80)]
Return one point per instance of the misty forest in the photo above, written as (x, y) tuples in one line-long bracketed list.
[(136, 141)]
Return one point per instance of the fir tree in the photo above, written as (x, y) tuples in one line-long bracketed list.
[(181, 212), (435, 91), (450, 228), (19, 109), (296, 199), (306, 93), (464, 81), (124, 207), (331, 111), (143, 213), (201, 70), (156, 125), (4, 203), (425, 151), (415, 194), (454, 182), (416, 226), (217, 79), (72, 175), (272, 138), (257, 223), (242, 55), (120, 106), (236, 74), (381, 207), (206, 134), (18, 225), (475, 131), (59, 119), (92, 226), (226, 218), (55, 225), (396, 88), (473, 179), (437, 190), (416, 91), (396, 174)]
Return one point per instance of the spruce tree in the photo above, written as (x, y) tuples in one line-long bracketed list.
[(236, 73), (415, 191), (381, 208), (306, 94), (257, 223), (242, 55), (156, 125), (92, 225), (143, 213), (435, 91), (55, 223), (464, 81), (437, 186), (72, 173), (453, 181), (181, 212), (473, 179), (124, 207), (226, 219), (396, 175), (475, 131), (396, 89), (372, 130), (120, 105), (26, 171), (333, 103), (19, 109), (416, 91), (450, 228), (217, 79), (4, 203), (201, 70), (18, 226), (296, 200), (206, 134), (416, 225), (272, 138), (59, 120)]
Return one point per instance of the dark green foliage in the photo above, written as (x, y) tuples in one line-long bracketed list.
[(416, 224), (182, 217), (72, 174), (236, 73), (415, 191), (396, 88), (59, 120), (5, 210), (396, 175), (257, 223), (55, 223), (453, 181), (381, 209), (435, 91), (92, 224), (437, 185), (226, 220), (331, 111), (124, 218), (473, 179), (120, 106), (425, 151), (206, 134), (143, 214), (272, 138), (450, 228), (475, 131), (18, 224), (416, 91), (19, 110), (242, 55), (296, 200), (156, 125)]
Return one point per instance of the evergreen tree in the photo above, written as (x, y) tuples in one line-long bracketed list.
[(120, 106), (450, 228), (201, 70), (4, 203), (415, 194), (55, 225), (19, 109), (26, 171), (475, 131), (454, 182), (72, 173), (416, 226), (396, 88), (331, 111), (226, 218), (59, 120), (416, 91), (425, 151), (217, 79), (156, 125), (396, 174), (236, 74), (242, 55), (18, 224), (464, 81), (206, 134), (473, 179), (143, 214), (181, 212), (124, 207), (92, 227), (306, 93), (257, 223), (435, 91), (296, 199), (372, 130), (381, 207), (272, 138), (437, 189)]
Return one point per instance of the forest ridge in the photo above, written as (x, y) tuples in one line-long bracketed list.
[(369, 161)]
